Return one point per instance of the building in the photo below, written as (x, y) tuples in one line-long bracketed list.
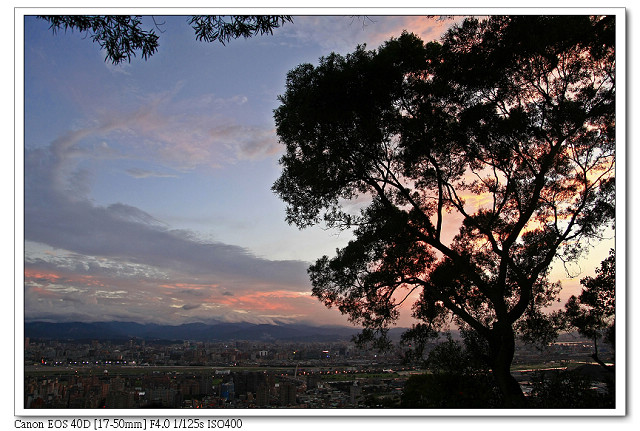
[(287, 394)]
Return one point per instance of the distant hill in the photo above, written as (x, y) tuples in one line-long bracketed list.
[(191, 331)]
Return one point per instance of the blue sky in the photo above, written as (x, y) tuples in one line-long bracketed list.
[(147, 184)]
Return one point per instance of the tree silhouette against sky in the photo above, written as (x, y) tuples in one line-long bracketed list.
[(121, 36), (506, 127)]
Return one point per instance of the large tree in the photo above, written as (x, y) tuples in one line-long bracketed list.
[(505, 127)]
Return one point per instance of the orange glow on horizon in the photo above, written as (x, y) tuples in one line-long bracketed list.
[(267, 301), (52, 277), (37, 275)]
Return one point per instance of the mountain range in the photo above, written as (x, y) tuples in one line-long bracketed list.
[(220, 331)]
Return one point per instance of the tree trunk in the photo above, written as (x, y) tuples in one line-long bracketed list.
[(596, 358), (502, 347)]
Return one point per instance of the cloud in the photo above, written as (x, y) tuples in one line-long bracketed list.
[(128, 234), (96, 288), (144, 173), (95, 262), (247, 142), (178, 133), (184, 134)]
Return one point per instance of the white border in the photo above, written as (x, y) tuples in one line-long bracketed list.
[(621, 210)]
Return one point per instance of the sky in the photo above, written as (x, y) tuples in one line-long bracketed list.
[(147, 184)]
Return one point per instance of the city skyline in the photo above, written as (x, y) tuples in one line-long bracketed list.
[(147, 185)]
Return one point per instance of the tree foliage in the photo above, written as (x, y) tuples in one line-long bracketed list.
[(450, 391), (567, 389), (452, 357), (505, 127), (121, 36), (456, 378), (210, 28)]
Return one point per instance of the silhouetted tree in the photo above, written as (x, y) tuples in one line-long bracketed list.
[(505, 127), (593, 312), (124, 35), (455, 379), (566, 389)]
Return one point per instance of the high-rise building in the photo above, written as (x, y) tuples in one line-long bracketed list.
[(262, 395), (355, 393), (227, 390), (287, 394)]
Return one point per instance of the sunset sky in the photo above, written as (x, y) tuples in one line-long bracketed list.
[(147, 184)]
